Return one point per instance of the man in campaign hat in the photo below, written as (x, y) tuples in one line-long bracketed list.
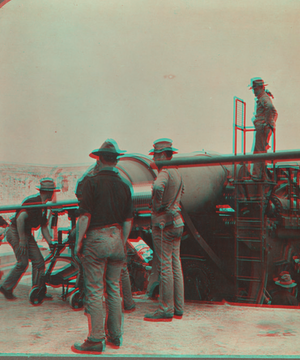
[(105, 218), (112, 149), (19, 235), (264, 122), (283, 295), (167, 229)]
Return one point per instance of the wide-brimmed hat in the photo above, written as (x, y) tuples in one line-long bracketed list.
[(109, 147), (161, 145), (285, 280), (257, 82), (47, 184)]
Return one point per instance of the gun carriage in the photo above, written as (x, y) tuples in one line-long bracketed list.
[(239, 233)]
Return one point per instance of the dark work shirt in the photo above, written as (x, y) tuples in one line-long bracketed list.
[(284, 297), (107, 198), (36, 217), (90, 172)]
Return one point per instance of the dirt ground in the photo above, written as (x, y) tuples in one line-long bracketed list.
[(204, 330)]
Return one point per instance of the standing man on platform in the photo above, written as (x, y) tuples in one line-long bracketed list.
[(264, 122), (167, 229), (19, 235), (106, 219)]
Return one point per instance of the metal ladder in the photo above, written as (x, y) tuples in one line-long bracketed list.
[(250, 221), (250, 243)]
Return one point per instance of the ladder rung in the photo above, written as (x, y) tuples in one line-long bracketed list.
[(250, 201), (223, 237), (247, 221), (254, 226), (250, 228), (247, 259), (246, 239), (243, 236), (248, 279)]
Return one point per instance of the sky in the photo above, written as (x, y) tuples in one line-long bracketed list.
[(74, 73)]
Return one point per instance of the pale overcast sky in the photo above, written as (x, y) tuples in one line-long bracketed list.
[(73, 73)]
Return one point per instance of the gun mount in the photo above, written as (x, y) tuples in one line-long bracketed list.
[(239, 233)]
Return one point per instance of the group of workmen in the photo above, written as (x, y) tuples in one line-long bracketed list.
[(104, 224), (102, 229)]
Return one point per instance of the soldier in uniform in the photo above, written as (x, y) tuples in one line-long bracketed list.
[(19, 235), (106, 218), (128, 302), (264, 122), (167, 229)]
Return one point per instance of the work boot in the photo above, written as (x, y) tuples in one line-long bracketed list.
[(129, 309), (88, 346), (7, 293), (158, 316), (116, 342), (178, 314)]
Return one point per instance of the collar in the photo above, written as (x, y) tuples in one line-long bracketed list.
[(109, 170), (260, 95)]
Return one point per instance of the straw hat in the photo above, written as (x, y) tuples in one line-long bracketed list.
[(47, 184), (285, 280), (257, 82), (161, 145)]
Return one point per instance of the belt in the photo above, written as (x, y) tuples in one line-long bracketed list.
[(104, 227)]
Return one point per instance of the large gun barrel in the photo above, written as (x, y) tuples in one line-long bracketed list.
[(230, 159)]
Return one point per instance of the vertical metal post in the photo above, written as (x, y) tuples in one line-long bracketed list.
[(244, 129), (236, 250), (235, 136), (235, 127), (298, 184)]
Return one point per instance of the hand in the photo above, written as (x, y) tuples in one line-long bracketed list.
[(22, 250)]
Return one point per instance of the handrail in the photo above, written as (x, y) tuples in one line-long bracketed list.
[(229, 159)]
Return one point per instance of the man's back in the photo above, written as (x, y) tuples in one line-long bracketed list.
[(107, 198), (166, 188), (284, 297)]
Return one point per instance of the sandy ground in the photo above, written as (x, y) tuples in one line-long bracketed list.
[(204, 330)]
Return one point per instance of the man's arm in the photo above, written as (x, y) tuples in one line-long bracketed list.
[(158, 190), (127, 225), (46, 234), (21, 231), (81, 227), (270, 111)]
